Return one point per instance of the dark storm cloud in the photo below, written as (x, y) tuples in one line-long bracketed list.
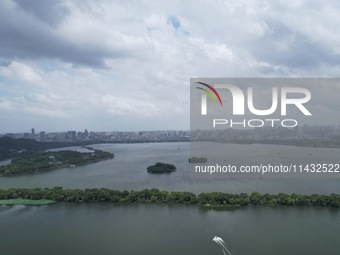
[(291, 49), (49, 11), (24, 37)]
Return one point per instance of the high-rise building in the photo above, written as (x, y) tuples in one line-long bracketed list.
[(42, 136), (71, 135)]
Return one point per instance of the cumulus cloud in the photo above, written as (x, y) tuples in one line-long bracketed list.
[(86, 63), (20, 72), (25, 36)]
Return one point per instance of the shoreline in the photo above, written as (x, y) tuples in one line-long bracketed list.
[(47, 161), (211, 200), (306, 143), (26, 202)]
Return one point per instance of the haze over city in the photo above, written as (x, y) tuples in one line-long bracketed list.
[(120, 65)]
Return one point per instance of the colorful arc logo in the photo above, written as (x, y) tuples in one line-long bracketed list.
[(211, 89)]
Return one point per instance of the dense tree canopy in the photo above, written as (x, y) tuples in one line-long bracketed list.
[(210, 200), (12, 148), (160, 168), (52, 160)]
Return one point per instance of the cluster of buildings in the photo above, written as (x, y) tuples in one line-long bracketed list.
[(116, 136), (322, 133)]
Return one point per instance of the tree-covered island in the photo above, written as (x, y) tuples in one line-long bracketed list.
[(212, 200), (160, 168), (43, 161)]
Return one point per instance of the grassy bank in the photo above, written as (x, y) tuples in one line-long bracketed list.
[(25, 202)]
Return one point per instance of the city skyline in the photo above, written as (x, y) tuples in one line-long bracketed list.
[(268, 133)]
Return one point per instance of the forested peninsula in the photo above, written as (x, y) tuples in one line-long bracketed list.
[(44, 161), (214, 200)]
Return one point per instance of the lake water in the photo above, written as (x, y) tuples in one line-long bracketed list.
[(103, 228), (128, 171), (5, 162), (89, 229)]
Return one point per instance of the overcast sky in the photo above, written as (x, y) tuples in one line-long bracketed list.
[(126, 65)]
